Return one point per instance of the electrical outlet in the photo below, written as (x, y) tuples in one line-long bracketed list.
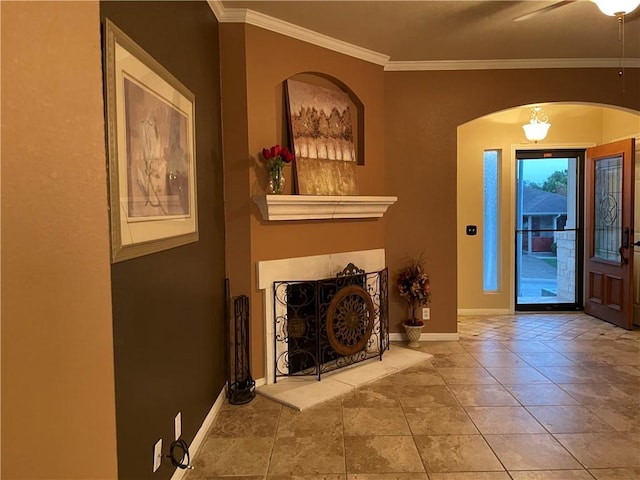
[(177, 422), (426, 313), (157, 455)]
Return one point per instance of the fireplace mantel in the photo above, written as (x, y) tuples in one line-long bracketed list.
[(319, 207)]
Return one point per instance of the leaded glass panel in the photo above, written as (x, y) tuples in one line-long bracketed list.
[(607, 209)]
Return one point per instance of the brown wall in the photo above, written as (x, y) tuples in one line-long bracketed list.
[(422, 113), (168, 307), (58, 403), (271, 59)]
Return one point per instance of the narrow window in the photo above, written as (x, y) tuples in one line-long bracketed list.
[(491, 231)]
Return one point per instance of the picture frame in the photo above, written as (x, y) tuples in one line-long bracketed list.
[(321, 130), (151, 151)]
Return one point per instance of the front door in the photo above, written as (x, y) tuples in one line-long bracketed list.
[(549, 230), (609, 185)]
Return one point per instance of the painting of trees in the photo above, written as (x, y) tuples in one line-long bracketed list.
[(320, 121)]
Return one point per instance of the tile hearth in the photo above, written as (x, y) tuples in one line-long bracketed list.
[(304, 392)]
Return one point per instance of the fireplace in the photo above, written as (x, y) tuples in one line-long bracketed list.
[(328, 324), (299, 277)]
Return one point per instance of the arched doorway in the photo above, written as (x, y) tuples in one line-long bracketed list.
[(574, 126)]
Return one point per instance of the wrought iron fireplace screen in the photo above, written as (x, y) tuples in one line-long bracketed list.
[(323, 325)]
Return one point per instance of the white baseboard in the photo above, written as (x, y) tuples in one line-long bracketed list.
[(198, 440), (484, 311), (427, 337)]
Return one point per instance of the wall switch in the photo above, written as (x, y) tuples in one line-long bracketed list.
[(157, 455), (426, 313), (177, 422)]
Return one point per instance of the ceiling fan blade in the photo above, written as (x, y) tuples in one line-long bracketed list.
[(539, 11)]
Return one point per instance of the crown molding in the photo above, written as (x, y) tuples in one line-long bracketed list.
[(217, 8), (299, 33), (512, 64), (251, 17)]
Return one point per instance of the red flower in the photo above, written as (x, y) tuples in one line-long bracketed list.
[(287, 156), (276, 156)]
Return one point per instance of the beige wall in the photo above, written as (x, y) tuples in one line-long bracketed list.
[(572, 125), (58, 413), (271, 59), (617, 124)]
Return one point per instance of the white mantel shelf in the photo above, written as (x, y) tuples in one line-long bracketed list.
[(322, 207)]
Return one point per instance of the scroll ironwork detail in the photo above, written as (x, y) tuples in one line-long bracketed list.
[(323, 325)]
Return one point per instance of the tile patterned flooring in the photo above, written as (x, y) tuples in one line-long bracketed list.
[(520, 397)]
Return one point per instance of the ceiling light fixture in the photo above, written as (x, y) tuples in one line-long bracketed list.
[(617, 8), (538, 125)]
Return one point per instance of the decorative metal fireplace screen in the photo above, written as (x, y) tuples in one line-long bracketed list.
[(323, 325)]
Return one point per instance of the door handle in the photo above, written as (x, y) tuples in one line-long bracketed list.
[(626, 234)]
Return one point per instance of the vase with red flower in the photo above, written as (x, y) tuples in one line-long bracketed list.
[(276, 159)]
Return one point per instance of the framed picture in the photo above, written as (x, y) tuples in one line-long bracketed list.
[(320, 126), (151, 150)]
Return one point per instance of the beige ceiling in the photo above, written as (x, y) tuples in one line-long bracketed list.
[(462, 30)]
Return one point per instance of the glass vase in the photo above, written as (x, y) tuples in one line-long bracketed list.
[(276, 181)]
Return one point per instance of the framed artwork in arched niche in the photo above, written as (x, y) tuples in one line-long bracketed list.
[(325, 128)]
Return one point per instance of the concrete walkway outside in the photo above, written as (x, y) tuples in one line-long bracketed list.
[(538, 279)]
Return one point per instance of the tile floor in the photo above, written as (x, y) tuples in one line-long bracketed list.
[(521, 397)]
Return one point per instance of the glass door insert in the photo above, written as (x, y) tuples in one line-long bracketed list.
[(548, 241)]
